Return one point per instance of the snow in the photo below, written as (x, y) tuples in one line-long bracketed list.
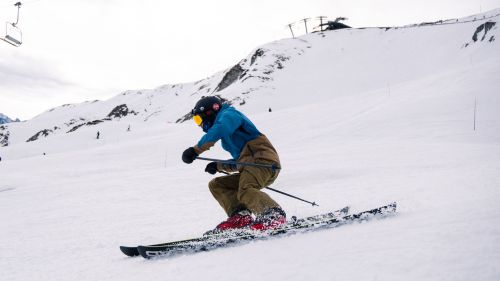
[(362, 117)]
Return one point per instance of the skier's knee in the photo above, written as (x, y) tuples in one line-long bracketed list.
[(212, 185), (245, 190)]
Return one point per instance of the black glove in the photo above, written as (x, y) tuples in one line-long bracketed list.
[(189, 155), (211, 168)]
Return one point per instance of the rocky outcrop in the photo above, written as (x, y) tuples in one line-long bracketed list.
[(184, 118), (487, 26), (42, 133), (482, 34), (91, 123), (120, 111), (117, 112), (230, 77), (257, 54), (4, 136)]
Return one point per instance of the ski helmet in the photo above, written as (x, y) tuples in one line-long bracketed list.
[(205, 111)]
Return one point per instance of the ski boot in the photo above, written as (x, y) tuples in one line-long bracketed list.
[(238, 220), (269, 220)]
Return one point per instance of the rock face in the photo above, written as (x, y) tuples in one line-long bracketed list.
[(120, 111), (483, 33), (232, 75), (4, 136), (258, 53), (91, 123), (42, 133), (487, 26)]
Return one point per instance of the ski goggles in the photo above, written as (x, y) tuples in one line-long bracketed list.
[(198, 118)]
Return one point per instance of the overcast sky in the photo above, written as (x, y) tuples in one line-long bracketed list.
[(79, 50)]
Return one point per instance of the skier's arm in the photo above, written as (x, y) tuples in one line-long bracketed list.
[(224, 127)]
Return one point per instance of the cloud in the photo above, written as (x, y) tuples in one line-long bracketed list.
[(30, 86), (23, 72)]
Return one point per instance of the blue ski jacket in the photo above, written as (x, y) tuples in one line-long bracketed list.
[(234, 130)]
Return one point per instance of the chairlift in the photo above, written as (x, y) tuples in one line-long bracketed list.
[(13, 34)]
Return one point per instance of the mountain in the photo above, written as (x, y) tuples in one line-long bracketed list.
[(360, 117), (5, 119), (344, 61), (4, 132)]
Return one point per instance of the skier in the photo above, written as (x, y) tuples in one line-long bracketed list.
[(239, 193)]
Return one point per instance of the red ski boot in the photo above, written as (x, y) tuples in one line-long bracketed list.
[(270, 219), (238, 220)]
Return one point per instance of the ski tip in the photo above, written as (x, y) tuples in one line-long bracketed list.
[(144, 252), (129, 251)]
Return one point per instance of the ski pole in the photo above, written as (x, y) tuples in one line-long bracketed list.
[(284, 193), (289, 195), (273, 167)]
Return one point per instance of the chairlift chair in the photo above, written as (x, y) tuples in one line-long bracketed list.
[(13, 34)]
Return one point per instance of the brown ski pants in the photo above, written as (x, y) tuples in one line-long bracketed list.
[(242, 190)]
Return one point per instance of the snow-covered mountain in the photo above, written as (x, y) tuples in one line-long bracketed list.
[(360, 117), (5, 119), (343, 61), (250, 79)]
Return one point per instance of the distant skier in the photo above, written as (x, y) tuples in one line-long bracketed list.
[(98, 134), (239, 193)]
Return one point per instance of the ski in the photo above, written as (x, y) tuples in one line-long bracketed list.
[(133, 251), (210, 242)]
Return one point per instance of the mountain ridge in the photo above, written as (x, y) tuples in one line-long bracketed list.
[(4, 119), (257, 78)]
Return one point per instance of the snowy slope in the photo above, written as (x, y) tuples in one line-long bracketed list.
[(360, 117)]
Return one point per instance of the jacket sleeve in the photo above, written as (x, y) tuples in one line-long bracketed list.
[(224, 126)]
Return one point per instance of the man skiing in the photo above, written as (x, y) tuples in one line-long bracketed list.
[(239, 193)]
